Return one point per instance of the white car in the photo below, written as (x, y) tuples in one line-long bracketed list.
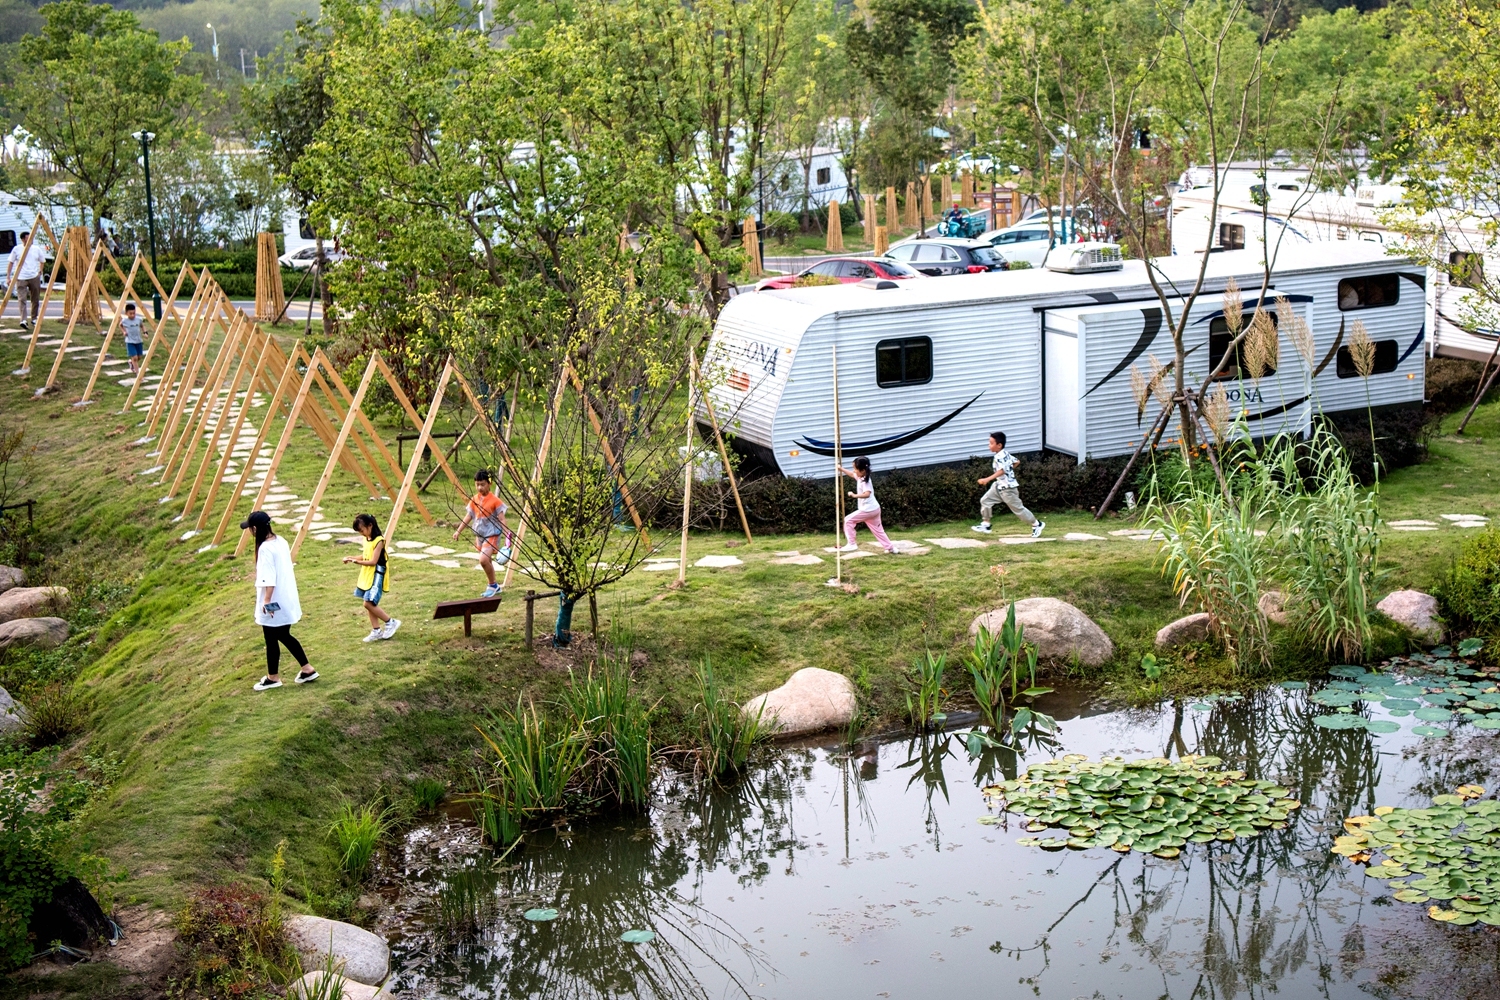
[(301, 260), (1026, 241)]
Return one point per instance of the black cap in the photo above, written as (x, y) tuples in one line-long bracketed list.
[(259, 519)]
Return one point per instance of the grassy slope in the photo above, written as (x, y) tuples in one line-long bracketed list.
[(215, 774)]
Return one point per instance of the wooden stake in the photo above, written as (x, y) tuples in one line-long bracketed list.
[(536, 474), (286, 437), (838, 478), (283, 384), (266, 344), (892, 217), (412, 415), (114, 324), (41, 310), (209, 456), (687, 475), (183, 349), (157, 334), (835, 228), (333, 456), (270, 297), (15, 278), (911, 205), (203, 409), (78, 313), (423, 437), (713, 421)]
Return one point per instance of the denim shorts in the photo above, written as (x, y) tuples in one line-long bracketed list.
[(135, 350), (377, 589)]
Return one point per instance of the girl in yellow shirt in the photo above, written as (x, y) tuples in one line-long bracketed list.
[(371, 583)]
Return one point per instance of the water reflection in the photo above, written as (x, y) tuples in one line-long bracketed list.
[(836, 872)]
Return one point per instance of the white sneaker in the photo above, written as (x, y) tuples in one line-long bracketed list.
[(375, 633), (1036, 529), (851, 547), (266, 684), (983, 528), (390, 628)]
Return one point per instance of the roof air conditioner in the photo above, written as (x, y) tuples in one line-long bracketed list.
[(1085, 258), (878, 283)]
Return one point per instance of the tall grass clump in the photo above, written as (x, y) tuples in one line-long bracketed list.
[(996, 663), (356, 832), (726, 733), (616, 724), (924, 703), (535, 759), (427, 794)]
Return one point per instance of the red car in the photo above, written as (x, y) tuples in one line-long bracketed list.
[(844, 270)]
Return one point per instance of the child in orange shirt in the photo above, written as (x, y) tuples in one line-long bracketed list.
[(486, 511)]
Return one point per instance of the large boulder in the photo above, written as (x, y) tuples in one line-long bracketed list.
[(45, 633), (360, 955), (1185, 631), (12, 715), (10, 577), (810, 701), (1059, 630), (32, 602), (1417, 611)]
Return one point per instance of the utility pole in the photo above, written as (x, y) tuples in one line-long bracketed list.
[(145, 140), (210, 27)]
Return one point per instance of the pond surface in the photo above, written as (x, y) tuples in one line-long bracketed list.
[(836, 873)]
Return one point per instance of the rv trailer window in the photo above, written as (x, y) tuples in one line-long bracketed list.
[(1467, 272), (823, 175), (305, 229), (1231, 236), (7, 240), (1385, 359), (1219, 340), (1373, 292), (903, 362)]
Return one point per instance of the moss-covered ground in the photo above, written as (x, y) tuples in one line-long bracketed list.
[(211, 776)]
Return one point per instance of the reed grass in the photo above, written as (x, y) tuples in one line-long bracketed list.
[(535, 759), (617, 725), (427, 794), (356, 833), (726, 733)]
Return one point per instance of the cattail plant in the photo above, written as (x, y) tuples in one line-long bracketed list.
[(1362, 352)]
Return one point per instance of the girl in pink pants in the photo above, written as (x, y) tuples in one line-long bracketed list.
[(867, 510)]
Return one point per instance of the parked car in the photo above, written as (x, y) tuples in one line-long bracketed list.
[(845, 270), (1026, 241), (301, 260), (947, 255)]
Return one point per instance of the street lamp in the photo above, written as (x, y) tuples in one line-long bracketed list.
[(145, 138), (210, 27)]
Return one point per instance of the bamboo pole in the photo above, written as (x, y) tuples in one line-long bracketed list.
[(270, 296), (286, 437), (687, 475), (838, 480), (835, 228), (283, 383), (423, 437), (158, 334), (79, 295), (41, 310), (713, 421), (354, 412)]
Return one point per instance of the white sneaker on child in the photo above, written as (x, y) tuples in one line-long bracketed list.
[(390, 628), (851, 547), (984, 528), (375, 633)]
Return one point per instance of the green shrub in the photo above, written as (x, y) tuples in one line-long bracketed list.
[(427, 794), (1469, 595), (725, 733), (54, 714), (535, 760), (36, 804), (1451, 384), (356, 832), (616, 722)]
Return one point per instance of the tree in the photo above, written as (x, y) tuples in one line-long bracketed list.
[(87, 82)]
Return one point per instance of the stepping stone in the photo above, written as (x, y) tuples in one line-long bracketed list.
[(861, 554), (1083, 536), (719, 562), (788, 554), (323, 537), (1463, 517), (346, 531), (1411, 527), (476, 556), (436, 550), (654, 567), (282, 497), (1023, 540), (956, 543), (408, 555), (409, 544), (344, 539), (915, 550), (127, 382), (904, 545), (797, 560), (1413, 523), (446, 563), (188, 534), (1470, 524)]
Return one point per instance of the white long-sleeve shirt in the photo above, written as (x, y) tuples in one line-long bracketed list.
[(273, 568)]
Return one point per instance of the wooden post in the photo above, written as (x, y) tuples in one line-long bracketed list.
[(15, 278), (234, 437), (343, 390), (687, 474), (926, 206), (838, 478), (286, 437), (78, 312), (412, 415), (399, 504), (184, 397), (869, 219), (835, 228), (169, 309), (78, 295), (882, 241), (283, 384), (203, 409), (911, 205), (41, 310), (270, 297), (536, 474), (114, 324), (222, 422), (751, 241), (530, 617), (966, 189), (892, 216), (609, 453), (184, 352), (946, 195), (333, 457), (713, 421)]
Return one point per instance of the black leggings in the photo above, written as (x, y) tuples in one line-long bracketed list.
[(276, 637)]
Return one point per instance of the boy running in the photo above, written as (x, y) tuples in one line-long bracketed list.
[(1002, 488), (487, 512), (135, 344)]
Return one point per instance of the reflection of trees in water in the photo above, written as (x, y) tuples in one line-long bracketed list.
[(1453, 760)]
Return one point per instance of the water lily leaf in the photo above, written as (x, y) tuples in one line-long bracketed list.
[(1433, 714), (638, 937), (1410, 895), (1429, 731), (541, 915), (1440, 651), (1347, 670), (1405, 703), (1381, 726), (1489, 722), (1339, 721), (1200, 707), (1294, 685), (1166, 852)]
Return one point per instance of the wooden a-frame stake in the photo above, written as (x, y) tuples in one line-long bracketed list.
[(713, 421), (423, 437), (687, 475), (41, 310), (170, 309), (283, 385), (536, 471), (109, 336), (256, 376), (355, 402)]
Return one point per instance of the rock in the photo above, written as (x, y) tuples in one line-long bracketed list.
[(32, 602), (1193, 628), (1059, 630), (310, 986), (12, 715), (10, 577), (1272, 604), (365, 957), (45, 633), (71, 916), (811, 700), (1416, 611)]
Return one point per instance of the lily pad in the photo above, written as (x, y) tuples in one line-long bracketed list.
[(1381, 726), (638, 937), (1488, 722), (1294, 685), (1340, 721), (1429, 731), (541, 915), (1402, 703), (1433, 714)]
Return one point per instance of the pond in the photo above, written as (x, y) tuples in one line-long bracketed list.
[(832, 872)]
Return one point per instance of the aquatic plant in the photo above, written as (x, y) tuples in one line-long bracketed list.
[(616, 724), (467, 899), (725, 732), (1469, 593), (1435, 688), (1447, 855), (535, 760), (996, 664), (924, 704), (427, 794), (1153, 805), (356, 832)]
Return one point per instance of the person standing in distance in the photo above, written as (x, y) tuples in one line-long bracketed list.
[(1003, 489), (277, 606), (27, 269)]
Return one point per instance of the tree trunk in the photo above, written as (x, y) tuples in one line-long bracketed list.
[(330, 324), (562, 633)]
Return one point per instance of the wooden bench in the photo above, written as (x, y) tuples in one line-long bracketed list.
[(467, 609)]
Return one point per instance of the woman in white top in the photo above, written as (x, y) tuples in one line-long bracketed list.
[(867, 508), (277, 607)]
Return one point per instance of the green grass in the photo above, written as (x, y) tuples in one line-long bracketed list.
[(213, 775)]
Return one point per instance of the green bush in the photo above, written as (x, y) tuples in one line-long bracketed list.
[(54, 714), (1469, 595), (356, 832), (36, 804)]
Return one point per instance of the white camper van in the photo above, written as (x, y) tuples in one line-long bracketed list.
[(927, 369)]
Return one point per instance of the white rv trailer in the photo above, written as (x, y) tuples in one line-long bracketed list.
[(927, 369), (1334, 217)]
